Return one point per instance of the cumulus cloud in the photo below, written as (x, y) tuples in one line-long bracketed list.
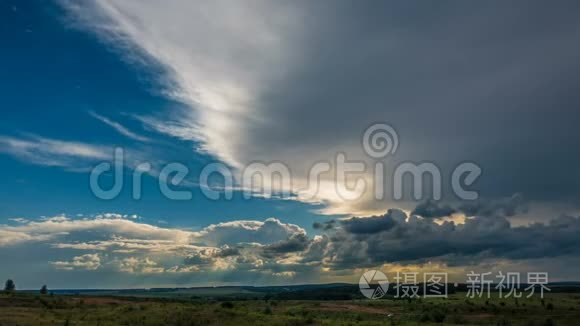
[(268, 231), (123, 244), (433, 209), (84, 262), (413, 239), (135, 265), (295, 243), (275, 249), (373, 224)]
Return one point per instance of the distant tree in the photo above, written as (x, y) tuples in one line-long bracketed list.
[(10, 286), (227, 304), (43, 290)]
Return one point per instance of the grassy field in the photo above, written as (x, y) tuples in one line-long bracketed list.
[(30, 309)]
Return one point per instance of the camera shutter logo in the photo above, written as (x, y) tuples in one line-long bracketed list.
[(373, 284)]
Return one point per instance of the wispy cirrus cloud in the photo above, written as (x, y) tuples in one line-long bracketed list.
[(119, 127), (52, 152), (76, 156)]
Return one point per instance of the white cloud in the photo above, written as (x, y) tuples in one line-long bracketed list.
[(9, 238), (58, 218), (119, 127), (116, 216), (135, 265), (286, 274), (19, 220), (124, 232), (268, 231), (55, 227), (84, 262), (51, 152), (120, 242)]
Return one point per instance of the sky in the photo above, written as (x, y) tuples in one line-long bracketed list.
[(200, 84)]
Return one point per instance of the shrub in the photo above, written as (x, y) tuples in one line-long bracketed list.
[(10, 286), (458, 319), (503, 322), (437, 316), (227, 304), (549, 322)]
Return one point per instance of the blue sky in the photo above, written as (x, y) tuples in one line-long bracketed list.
[(59, 108), (199, 83)]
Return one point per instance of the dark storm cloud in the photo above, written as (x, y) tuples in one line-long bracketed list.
[(324, 225), (493, 82), (500, 207), (373, 224), (296, 242), (417, 240), (507, 207), (433, 209)]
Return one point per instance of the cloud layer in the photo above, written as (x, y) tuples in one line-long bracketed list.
[(297, 82), (277, 252)]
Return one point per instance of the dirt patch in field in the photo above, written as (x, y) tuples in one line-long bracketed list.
[(104, 301), (352, 308)]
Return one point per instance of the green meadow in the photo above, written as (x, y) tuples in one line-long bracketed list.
[(31, 309)]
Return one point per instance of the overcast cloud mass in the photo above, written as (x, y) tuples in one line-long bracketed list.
[(491, 83)]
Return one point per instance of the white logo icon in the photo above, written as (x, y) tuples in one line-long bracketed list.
[(373, 284), (380, 140)]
